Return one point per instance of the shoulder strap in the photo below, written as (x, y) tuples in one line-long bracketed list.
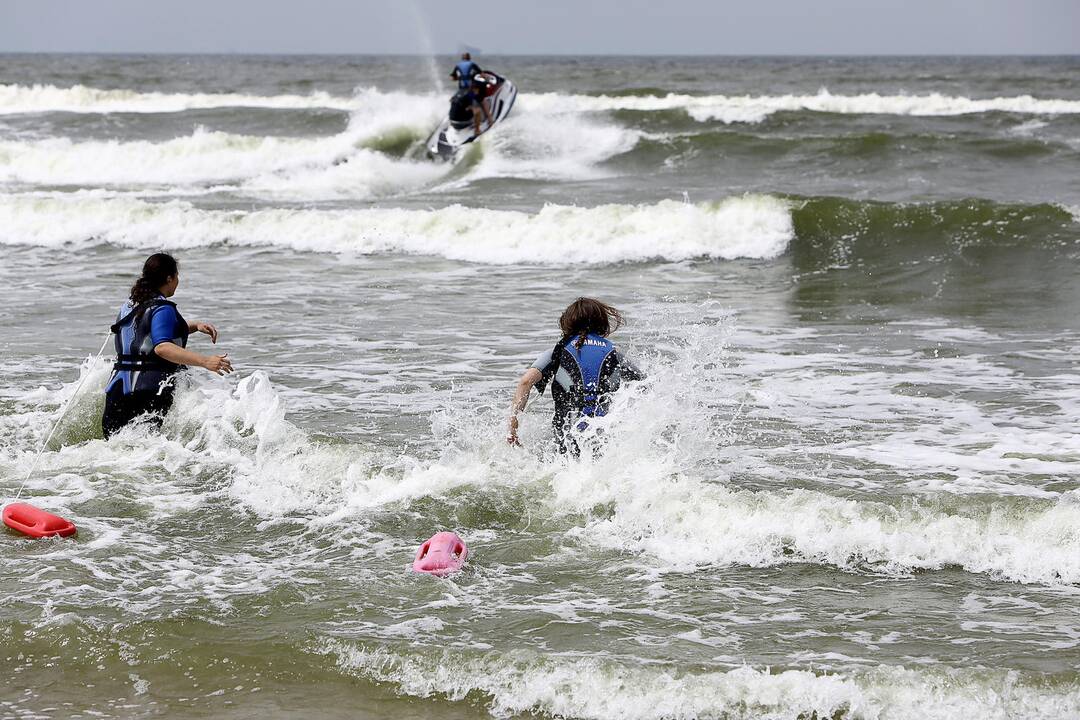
[(137, 312)]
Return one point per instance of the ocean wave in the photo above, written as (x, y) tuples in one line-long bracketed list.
[(669, 489), (82, 99), (637, 499), (203, 156), (833, 231), (653, 150), (347, 164), (374, 156), (686, 524), (532, 146), (723, 108), (747, 227), (512, 684), (818, 232), (754, 109)]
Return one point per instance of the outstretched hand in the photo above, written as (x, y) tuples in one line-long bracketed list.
[(219, 364), (207, 328)]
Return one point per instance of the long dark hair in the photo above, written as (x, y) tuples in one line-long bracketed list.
[(586, 315), (156, 271)]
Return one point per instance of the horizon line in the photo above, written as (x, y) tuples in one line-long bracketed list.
[(261, 53)]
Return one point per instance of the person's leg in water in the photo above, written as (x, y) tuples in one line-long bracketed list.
[(565, 443), (121, 409)]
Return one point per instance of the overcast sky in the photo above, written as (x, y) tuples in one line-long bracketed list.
[(544, 26)]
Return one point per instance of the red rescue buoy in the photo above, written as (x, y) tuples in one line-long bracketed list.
[(35, 522)]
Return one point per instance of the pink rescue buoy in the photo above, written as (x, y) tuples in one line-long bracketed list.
[(443, 554), (35, 522)]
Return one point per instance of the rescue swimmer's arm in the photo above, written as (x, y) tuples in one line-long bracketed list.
[(219, 364), (202, 327), (521, 399), (487, 113)]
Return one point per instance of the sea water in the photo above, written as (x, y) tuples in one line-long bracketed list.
[(847, 488)]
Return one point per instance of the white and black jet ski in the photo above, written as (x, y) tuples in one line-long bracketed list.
[(458, 129)]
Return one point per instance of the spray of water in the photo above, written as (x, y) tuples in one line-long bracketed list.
[(423, 31)]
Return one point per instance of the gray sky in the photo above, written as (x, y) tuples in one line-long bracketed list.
[(544, 26)]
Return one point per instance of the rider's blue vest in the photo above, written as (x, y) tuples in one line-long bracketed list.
[(590, 368), (466, 69), (137, 366)]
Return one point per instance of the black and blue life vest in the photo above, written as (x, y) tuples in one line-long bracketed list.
[(590, 368), (466, 69), (137, 366)]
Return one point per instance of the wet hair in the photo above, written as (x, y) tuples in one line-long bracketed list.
[(156, 271), (466, 56), (586, 315)]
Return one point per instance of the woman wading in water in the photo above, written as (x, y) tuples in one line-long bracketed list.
[(151, 340)]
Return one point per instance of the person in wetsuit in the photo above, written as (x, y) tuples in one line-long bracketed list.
[(583, 368), (151, 340), (465, 71)]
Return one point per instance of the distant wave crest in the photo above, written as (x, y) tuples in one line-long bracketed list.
[(725, 108)]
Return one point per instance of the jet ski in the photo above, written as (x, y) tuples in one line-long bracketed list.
[(458, 128)]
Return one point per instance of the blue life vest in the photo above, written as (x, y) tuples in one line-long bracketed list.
[(590, 367), (137, 366), (466, 69)]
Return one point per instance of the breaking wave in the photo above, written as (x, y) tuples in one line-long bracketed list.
[(519, 683), (375, 155), (82, 99), (667, 519), (818, 232), (754, 109), (751, 226), (840, 231), (725, 108)]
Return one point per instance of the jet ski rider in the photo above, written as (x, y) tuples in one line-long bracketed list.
[(465, 71), (151, 337), (584, 369)]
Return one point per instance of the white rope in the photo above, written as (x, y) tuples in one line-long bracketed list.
[(67, 406)]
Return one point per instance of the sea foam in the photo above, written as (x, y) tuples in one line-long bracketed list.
[(726, 108), (519, 683), (82, 99), (753, 226), (755, 108)]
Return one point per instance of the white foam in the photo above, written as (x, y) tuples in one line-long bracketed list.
[(727, 108), (685, 524), (272, 167), (751, 226), (1028, 128), (82, 99), (661, 478), (751, 108), (520, 683), (547, 146), (668, 458), (200, 157), (527, 145)]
